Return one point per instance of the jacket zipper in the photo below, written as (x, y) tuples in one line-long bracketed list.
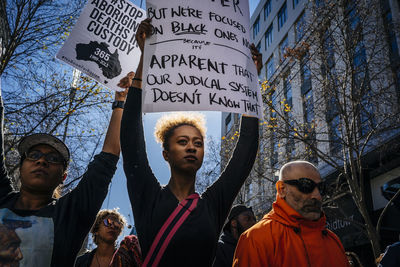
[(305, 249)]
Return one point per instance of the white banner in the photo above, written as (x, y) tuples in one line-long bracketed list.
[(102, 44), (199, 58)]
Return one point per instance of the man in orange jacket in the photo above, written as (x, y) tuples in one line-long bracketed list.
[(294, 232)]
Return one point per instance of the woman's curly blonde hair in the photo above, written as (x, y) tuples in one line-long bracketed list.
[(101, 215), (166, 125)]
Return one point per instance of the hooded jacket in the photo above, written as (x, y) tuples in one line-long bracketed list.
[(284, 238)]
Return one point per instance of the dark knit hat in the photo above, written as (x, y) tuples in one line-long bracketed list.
[(235, 211)]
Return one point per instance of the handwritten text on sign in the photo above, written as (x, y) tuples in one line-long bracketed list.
[(102, 44), (198, 58)]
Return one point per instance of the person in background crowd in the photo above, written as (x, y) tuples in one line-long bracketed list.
[(391, 257), (105, 231), (353, 259), (128, 253), (52, 230), (294, 232), (240, 219), (191, 239)]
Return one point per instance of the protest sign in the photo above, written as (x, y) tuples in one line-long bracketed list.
[(198, 58), (102, 44)]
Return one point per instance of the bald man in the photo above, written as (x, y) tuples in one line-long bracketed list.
[(294, 232)]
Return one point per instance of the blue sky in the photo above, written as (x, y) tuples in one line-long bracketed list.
[(118, 195)]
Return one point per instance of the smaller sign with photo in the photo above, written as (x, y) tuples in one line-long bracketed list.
[(102, 44)]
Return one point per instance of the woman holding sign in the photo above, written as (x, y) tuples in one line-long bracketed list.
[(176, 226)]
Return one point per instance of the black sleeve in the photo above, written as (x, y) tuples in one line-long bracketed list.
[(141, 182), (77, 210), (5, 182), (88, 196), (222, 193)]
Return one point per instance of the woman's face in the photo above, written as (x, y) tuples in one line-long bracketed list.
[(109, 229), (186, 149)]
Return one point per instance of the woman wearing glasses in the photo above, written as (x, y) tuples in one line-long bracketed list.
[(51, 229), (105, 231), (176, 226)]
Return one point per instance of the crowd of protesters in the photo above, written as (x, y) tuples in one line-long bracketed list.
[(175, 225)]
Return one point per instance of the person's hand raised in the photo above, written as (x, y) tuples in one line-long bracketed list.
[(145, 30), (257, 58), (125, 83)]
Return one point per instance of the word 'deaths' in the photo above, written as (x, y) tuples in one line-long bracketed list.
[(198, 58)]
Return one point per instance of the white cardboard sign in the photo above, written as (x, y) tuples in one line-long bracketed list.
[(198, 58), (102, 44)]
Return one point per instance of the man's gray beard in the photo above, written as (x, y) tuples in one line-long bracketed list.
[(312, 205)]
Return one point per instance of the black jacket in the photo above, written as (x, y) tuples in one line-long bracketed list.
[(392, 256), (225, 250), (86, 259)]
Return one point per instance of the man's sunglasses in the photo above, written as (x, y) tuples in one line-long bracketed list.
[(51, 157), (108, 222), (306, 185)]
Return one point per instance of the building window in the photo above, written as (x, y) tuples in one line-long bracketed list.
[(274, 151), (362, 89), (228, 123), (305, 75), (309, 126), (282, 16), (282, 48), (367, 116), (360, 77), (295, 3), (308, 109), (256, 27), (267, 9), (319, 3), (359, 57), (274, 139), (353, 19), (259, 46), (392, 42), (328, 60), (287, 107), (268, 37), (287, 89), (300, 28), (388, 21), (270, 67), (308, 106), (335, 134), (334, 125), (330, 53)]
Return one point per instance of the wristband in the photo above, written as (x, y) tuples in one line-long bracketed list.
[(118, 104), (136, 79)]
